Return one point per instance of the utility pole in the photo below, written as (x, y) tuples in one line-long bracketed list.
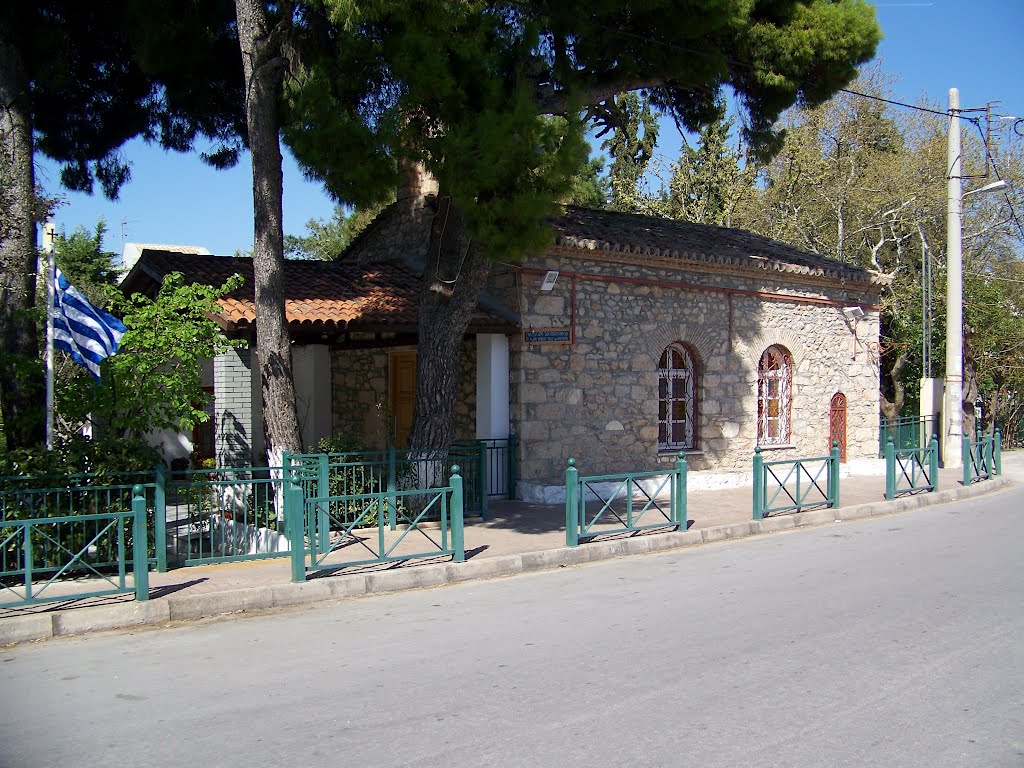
[(49, 234), (952, 409)]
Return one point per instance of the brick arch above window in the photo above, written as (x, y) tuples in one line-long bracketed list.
[(753, 348), (702, 342)]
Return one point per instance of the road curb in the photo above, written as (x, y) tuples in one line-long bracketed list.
[(76, 621)]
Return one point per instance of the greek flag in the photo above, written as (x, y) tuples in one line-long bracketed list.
[(87, 333)]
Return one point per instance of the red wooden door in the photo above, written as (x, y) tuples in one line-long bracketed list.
[(837, 423)]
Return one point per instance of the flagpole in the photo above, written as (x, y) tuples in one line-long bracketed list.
[(48, 237)]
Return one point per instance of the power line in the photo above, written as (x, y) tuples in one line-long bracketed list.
[(993, 277), (750, 68), (975, 120), (990, 155)]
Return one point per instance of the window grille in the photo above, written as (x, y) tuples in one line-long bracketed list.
[(774, 396), (677, 399)]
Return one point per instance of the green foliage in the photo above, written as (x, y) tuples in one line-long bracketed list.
[(340, 442), (153, 382), (630, 148), (83, 261), (587, 188), (327, 240), (863, 183), (75, 478), (108, 460), (363, 475), (128, 69), (708, 181)]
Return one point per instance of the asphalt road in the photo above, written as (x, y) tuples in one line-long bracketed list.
[(894, 641)]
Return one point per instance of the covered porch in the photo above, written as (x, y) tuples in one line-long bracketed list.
[(353, 329)]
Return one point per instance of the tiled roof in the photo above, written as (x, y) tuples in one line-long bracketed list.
[(382, 296), (621, 234)]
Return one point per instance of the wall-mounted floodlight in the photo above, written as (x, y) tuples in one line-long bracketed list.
[(853, 313), (549, 280)]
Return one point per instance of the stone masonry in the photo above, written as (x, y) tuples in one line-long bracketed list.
[(596, 399), (361, 403)]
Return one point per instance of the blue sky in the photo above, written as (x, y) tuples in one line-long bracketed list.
[(972, 45)]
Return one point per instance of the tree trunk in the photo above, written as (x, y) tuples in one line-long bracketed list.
[(970, 396), (891, 408), (264, 67), (21, 378), (453, 280)]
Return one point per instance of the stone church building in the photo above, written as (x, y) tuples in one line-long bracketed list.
[(628, 340)]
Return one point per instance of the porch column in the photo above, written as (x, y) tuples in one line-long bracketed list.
[(492, 367), (312, 366), (233, 408)]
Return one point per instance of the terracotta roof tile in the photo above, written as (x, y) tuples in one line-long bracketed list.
[(373, 296)]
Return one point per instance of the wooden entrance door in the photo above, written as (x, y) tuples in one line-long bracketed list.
[(837, 424), (402, 394)]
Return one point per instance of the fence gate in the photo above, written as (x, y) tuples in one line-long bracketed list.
[(837, 424)]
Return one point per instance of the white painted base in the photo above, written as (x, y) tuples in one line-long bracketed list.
[(234, 538)]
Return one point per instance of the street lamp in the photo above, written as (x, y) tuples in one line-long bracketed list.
[(952, 409)]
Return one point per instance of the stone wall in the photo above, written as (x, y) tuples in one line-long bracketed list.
[(360, 394), (597, 399)]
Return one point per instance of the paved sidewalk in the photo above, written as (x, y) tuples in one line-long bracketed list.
[(517, 538)]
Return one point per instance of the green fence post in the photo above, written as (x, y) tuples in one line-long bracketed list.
[(680, 500), (988, 451), (833, 475), (965, 457), (29, 556), (294, 518), (511, 468), (933, 462), (323, 519), (484, 471), (890, 469), (982, 454), (572, 533), (458, 533), (392, 487), (140, 544), (286, 476), (998, 452), (758, 484), (160, 517)]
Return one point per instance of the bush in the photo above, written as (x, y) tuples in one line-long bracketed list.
[(36, 483)]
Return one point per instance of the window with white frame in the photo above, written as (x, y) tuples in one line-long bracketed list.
[(677, 399), (774, 396)]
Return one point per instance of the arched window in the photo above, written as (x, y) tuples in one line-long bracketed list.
[(677, 399), (774, 396)]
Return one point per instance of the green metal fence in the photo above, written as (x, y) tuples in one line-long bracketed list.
[(623, 503), (227, 514), (906, 432), (500, 464), (195, 517), (982, 456), (911, 471), (27, 497), (795, 485), (41, 553), (391, 471), (342, 531)]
